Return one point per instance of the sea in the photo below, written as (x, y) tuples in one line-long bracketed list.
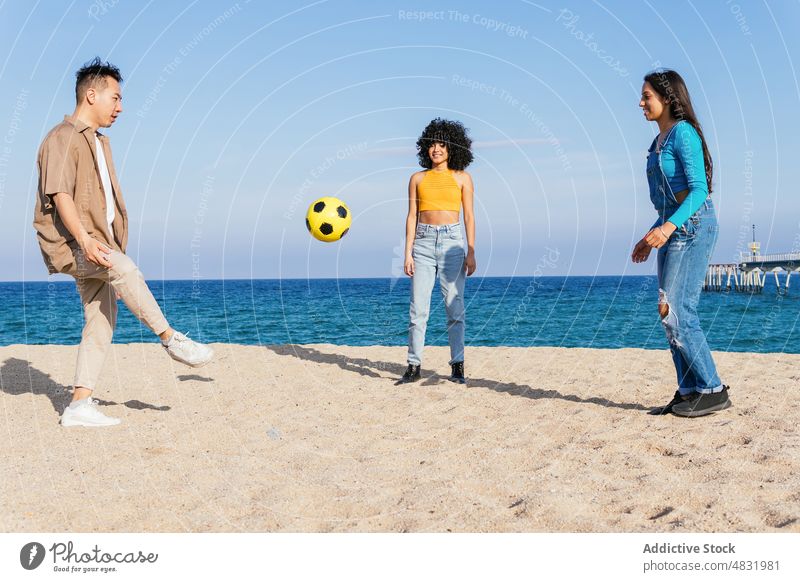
[(588, 312)]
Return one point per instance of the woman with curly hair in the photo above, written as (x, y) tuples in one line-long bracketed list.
[(435, 238), (679, 172)]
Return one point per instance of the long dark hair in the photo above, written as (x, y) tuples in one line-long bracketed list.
[(671, 87)]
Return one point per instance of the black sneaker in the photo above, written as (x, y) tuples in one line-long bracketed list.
[(701, 404), (412, 374), (677, 398), (457, 374)]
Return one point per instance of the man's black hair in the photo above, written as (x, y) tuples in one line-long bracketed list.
[(93, 74)]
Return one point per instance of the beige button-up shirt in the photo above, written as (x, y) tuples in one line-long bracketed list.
[(67, 162)]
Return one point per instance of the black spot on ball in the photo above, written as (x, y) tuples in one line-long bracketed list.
[(341, 211), (308, 225), (344, 233), (325, 228), (319, 206)]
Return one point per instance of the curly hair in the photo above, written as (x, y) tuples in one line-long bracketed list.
[(451, 133)]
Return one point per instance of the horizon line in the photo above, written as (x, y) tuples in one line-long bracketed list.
[(328, 278)]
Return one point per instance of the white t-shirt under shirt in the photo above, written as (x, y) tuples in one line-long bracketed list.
[(107, 189)]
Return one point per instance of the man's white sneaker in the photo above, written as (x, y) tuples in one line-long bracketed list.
[(188, 351), (85, 413)]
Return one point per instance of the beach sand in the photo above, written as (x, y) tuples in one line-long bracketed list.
[(317, 438)]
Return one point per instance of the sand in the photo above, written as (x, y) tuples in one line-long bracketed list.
[(318, 438)]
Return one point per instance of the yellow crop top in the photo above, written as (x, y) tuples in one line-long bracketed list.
[(439, 191)]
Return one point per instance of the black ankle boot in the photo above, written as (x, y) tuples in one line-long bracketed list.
[(458, 373), (412, 374)]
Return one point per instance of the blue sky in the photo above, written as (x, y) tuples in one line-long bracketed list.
[(238, 115)]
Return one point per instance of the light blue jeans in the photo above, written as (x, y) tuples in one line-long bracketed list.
[(438, 252), (682, 264)]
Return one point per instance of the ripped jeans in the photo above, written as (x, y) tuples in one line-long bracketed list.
[(682, 265)]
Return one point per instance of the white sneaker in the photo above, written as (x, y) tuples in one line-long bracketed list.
[(86, 414), (188, 351)]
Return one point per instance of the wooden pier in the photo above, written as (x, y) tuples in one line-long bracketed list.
[(750, 273)]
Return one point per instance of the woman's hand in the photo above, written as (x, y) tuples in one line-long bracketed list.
[(469, 263), (641, 252), (408, 266), (659, 236)]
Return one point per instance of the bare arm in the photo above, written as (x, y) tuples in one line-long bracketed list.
[(467, 198), (94, 250), (411, 224)]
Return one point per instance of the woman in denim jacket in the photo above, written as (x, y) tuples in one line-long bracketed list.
[(435, 239), (679, 172)]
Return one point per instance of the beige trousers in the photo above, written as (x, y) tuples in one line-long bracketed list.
[(98, 288)]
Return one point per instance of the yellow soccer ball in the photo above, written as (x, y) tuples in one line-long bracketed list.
[(328, 219)]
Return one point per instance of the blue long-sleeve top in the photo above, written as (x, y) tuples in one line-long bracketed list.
[(684, 167)]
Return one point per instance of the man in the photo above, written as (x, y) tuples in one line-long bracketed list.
[(82, 228)]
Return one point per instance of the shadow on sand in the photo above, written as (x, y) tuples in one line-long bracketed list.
[(18, 377), (373, 369)]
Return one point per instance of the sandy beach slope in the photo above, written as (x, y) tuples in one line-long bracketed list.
[(317, 438)]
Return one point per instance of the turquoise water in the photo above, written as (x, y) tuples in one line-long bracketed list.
[(600, 312)]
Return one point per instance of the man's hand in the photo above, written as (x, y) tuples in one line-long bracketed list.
[(95, 251)]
